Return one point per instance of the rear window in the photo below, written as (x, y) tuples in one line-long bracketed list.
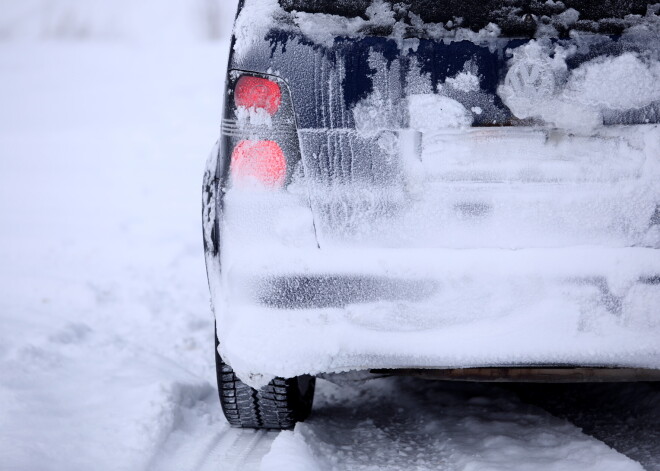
[(513, 17)]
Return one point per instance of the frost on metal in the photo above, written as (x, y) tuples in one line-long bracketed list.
[(462, 198)]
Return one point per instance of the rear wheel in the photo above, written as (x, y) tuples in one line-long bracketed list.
[(278, 405)]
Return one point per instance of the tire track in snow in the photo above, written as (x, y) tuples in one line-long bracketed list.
[(248, 449), (406, 423), (190, 448)]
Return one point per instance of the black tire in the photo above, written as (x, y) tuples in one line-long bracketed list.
[(279, 405)]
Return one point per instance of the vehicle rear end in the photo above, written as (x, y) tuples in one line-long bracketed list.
[(433, 186)]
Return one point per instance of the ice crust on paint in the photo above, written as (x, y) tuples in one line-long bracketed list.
[(440, 244), (529, 261)]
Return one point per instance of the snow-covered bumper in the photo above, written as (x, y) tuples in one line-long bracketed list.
[(303, 311), (465, 256)]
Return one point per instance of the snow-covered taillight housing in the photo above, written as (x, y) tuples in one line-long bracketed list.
[(260, 139), (258, 93), (259, 162)]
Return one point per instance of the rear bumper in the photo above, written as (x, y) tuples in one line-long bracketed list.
[(405, 278), (292, 312)]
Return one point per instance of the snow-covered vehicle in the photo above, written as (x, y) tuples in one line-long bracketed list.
[(460, 190)]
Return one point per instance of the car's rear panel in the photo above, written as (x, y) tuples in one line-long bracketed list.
[(459, 201)]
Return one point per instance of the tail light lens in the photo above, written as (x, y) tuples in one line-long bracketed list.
[(257, 150), (262, 162), (258, 93)]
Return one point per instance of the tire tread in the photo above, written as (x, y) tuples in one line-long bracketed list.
[(278, 405)]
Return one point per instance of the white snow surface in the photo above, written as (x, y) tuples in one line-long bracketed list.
[(446, 112), (259, 16), (617, 83), (322, 28), (105, 326), (106, 342), (132, 21), (523, 245), (412, 424), (507, 247)]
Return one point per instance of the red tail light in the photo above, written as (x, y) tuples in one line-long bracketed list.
[(261, 161), (258, 93)]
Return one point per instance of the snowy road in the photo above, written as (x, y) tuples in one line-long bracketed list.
[(625, 417), (448, 427), (404, 423), (106, 333)]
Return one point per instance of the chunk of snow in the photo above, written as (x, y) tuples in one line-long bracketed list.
[(534, 87), (568, 18), (290, 452), (253, 23), (253, 117), (433, 112), (618, 83), (464, 81), (323, 28)]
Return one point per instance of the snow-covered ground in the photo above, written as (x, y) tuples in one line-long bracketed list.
[(106, 333), (150, 21), (106, 327), (415, 424), (405, 424)]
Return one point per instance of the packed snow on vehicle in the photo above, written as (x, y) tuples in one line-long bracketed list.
[(441, 190)]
